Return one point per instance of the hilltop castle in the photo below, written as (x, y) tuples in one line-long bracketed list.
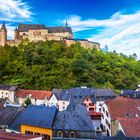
[(39, 32)]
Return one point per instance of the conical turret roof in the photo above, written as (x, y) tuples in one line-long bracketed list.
[(3, 27)]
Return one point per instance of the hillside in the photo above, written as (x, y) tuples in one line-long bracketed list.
[(48, 65)]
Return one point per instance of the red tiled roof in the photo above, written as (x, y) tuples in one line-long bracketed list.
[(15, 136), (94, 115), (35, 94), (131, 126), (120, 107)]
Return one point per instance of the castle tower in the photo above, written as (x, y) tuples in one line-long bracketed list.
[(3, 32), (16, 34)]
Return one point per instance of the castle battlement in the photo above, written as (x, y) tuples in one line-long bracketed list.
[(39, 32)]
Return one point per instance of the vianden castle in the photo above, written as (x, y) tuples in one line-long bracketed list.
[(39, 32)]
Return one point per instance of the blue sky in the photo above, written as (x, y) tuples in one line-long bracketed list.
[(112, 22)]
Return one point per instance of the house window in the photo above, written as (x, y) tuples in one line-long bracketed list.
[(72, 134), (63, 107), (102, 116), (107, 114), (91, 109), (37, 134), (91, 104), (103, 109), (29, 132), (80, 97), (63, 103), (45, 137), (60, 134), (86, 99)]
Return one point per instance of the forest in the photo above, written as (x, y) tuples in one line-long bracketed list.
[(51, 64)]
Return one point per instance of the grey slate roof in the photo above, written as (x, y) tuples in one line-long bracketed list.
[(79, 94), (40, 116), (103, 94), (27, 27), (3, 27), (8, 87), (59, 29), (61, 94), (75, 118), (131, 93), (8, 114)]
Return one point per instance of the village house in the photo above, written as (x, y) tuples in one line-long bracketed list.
[(117, 108), (129, 126), (37, 97), (35, 120), (7, 91), (52, 101), (7, 115), (134, 94), (101, 95), (83, 95), (14, 136), (63, 97), (73, 123), (4, 102)]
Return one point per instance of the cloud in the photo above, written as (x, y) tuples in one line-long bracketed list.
[(14, 10), (121, 32)]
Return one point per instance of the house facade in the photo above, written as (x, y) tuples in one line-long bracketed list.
[(7, 91), (115, 109), (63, 97), (35, 120), (37, 97)]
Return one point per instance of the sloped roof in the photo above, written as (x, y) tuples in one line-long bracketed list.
[(131, 93), (27, 27), (3, 27), (8, 87), (131, 126), (15, 136), (39, 116), (103, 92), (61, 94), (59, 29), (35, 94), (75, 118), (79, 94), (8, 114), (121, 107)]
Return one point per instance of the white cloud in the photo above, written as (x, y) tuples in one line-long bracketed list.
[(14, 10), (121, 32)]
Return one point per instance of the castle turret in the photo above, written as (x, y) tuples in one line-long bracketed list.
[(16, 34), (3, 32)]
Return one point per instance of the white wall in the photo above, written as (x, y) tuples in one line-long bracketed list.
[(99, 105), (63, 105), (103, 120), (7, 94)]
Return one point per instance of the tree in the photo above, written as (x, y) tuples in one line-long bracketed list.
[(28, 102)]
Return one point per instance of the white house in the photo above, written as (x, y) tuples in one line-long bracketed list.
[(63, 98), (7, 91), (52, 101), (101, 95), (118, 108), (37, 97)]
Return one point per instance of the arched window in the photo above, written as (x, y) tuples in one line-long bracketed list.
[(72, 134), (59, 134)]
